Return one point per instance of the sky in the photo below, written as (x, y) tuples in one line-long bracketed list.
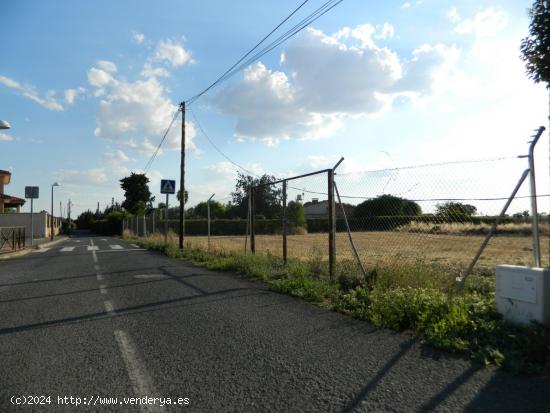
[(90, 87)]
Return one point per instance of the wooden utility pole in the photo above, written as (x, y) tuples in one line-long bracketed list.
[(182, 175)]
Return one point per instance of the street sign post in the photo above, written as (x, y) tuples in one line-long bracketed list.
[(32, 193), (167, 186)]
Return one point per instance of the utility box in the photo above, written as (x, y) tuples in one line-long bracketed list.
[(523, 294)]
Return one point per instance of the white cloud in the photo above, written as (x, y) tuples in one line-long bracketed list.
[(138, 38), (406, 5), (486, 23), (329, 78), (107, 66), (115, 157), (387, 31), (136, 114), (49, 101), (72, 94), (453, 15), (429, 70), (172, 52), (149, 71), (5, 137), (100, 78)]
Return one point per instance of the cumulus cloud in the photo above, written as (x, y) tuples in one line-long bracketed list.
[(48, 101), (136, 114), (72, 94), (171, 51), (5, 137), (107, 66), (115, 157), (138, 38), (150, 71), (327, 78), (486, 23)]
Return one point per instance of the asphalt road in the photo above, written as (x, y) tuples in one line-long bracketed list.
[(94, 318)]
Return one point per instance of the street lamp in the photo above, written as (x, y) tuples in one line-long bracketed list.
[(4, 124), (51, 217)]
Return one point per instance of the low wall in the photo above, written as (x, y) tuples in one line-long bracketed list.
[(41, 223)]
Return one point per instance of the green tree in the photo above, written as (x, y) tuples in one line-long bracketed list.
[(535, 49), (387, 206), (178, 195), (84, 220), (267, 198), (136, 193), (295, 214), (452, 210), (217, 210)]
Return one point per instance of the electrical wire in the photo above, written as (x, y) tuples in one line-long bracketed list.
[(154, 155), (326, 7), (222, 77)]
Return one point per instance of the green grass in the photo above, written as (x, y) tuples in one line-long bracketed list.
[(417, 297)]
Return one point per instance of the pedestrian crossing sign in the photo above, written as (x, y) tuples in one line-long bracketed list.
[(167, 186)]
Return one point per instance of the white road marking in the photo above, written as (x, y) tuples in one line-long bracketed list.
[(116, 247), (109, 307), (103, 239), (122, 250), (135, 245), (41, 250), (92, 247), (77, 240), (139, 379), (99, 277), (102, 289), (67, 249)]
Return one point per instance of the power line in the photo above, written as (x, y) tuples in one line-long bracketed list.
[(217, 148), (327, 6), (154, 155), (221, 78)]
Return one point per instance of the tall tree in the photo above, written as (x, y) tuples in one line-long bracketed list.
[(267, 198), (136, 192), (535, 49), (452, 210), (387, 205), (178, 195)]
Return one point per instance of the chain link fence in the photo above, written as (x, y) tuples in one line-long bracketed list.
[(441, 214)]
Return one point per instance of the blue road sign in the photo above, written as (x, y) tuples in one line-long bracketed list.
[(167, 186)]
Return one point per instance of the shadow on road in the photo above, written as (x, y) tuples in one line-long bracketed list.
[(362, 395)]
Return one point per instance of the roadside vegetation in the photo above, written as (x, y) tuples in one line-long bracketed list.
[(414, 297)]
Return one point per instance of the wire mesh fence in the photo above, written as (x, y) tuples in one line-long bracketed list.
[(437, 214), (440, 214)]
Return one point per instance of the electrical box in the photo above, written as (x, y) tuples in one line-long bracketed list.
[(523, 294)]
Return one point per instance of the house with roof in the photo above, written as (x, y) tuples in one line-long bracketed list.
[(8, 201), (11, 215)]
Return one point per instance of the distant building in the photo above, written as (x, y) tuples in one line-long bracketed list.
[(42, 221), (319, 209), (8, 201)]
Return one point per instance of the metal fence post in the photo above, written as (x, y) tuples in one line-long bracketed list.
[(208, 213), (144, 226), (494, 226), (331, 225), (284, 223), (252, 229), (534, 209), (154, 213)]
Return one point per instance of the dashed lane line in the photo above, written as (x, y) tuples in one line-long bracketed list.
[(67, 249), (116, 247), (139, 379)]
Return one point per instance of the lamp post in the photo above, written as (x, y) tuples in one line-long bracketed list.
[(4, 124), (51, 217)]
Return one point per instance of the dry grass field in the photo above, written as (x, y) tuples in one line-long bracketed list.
[(378, 247)]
